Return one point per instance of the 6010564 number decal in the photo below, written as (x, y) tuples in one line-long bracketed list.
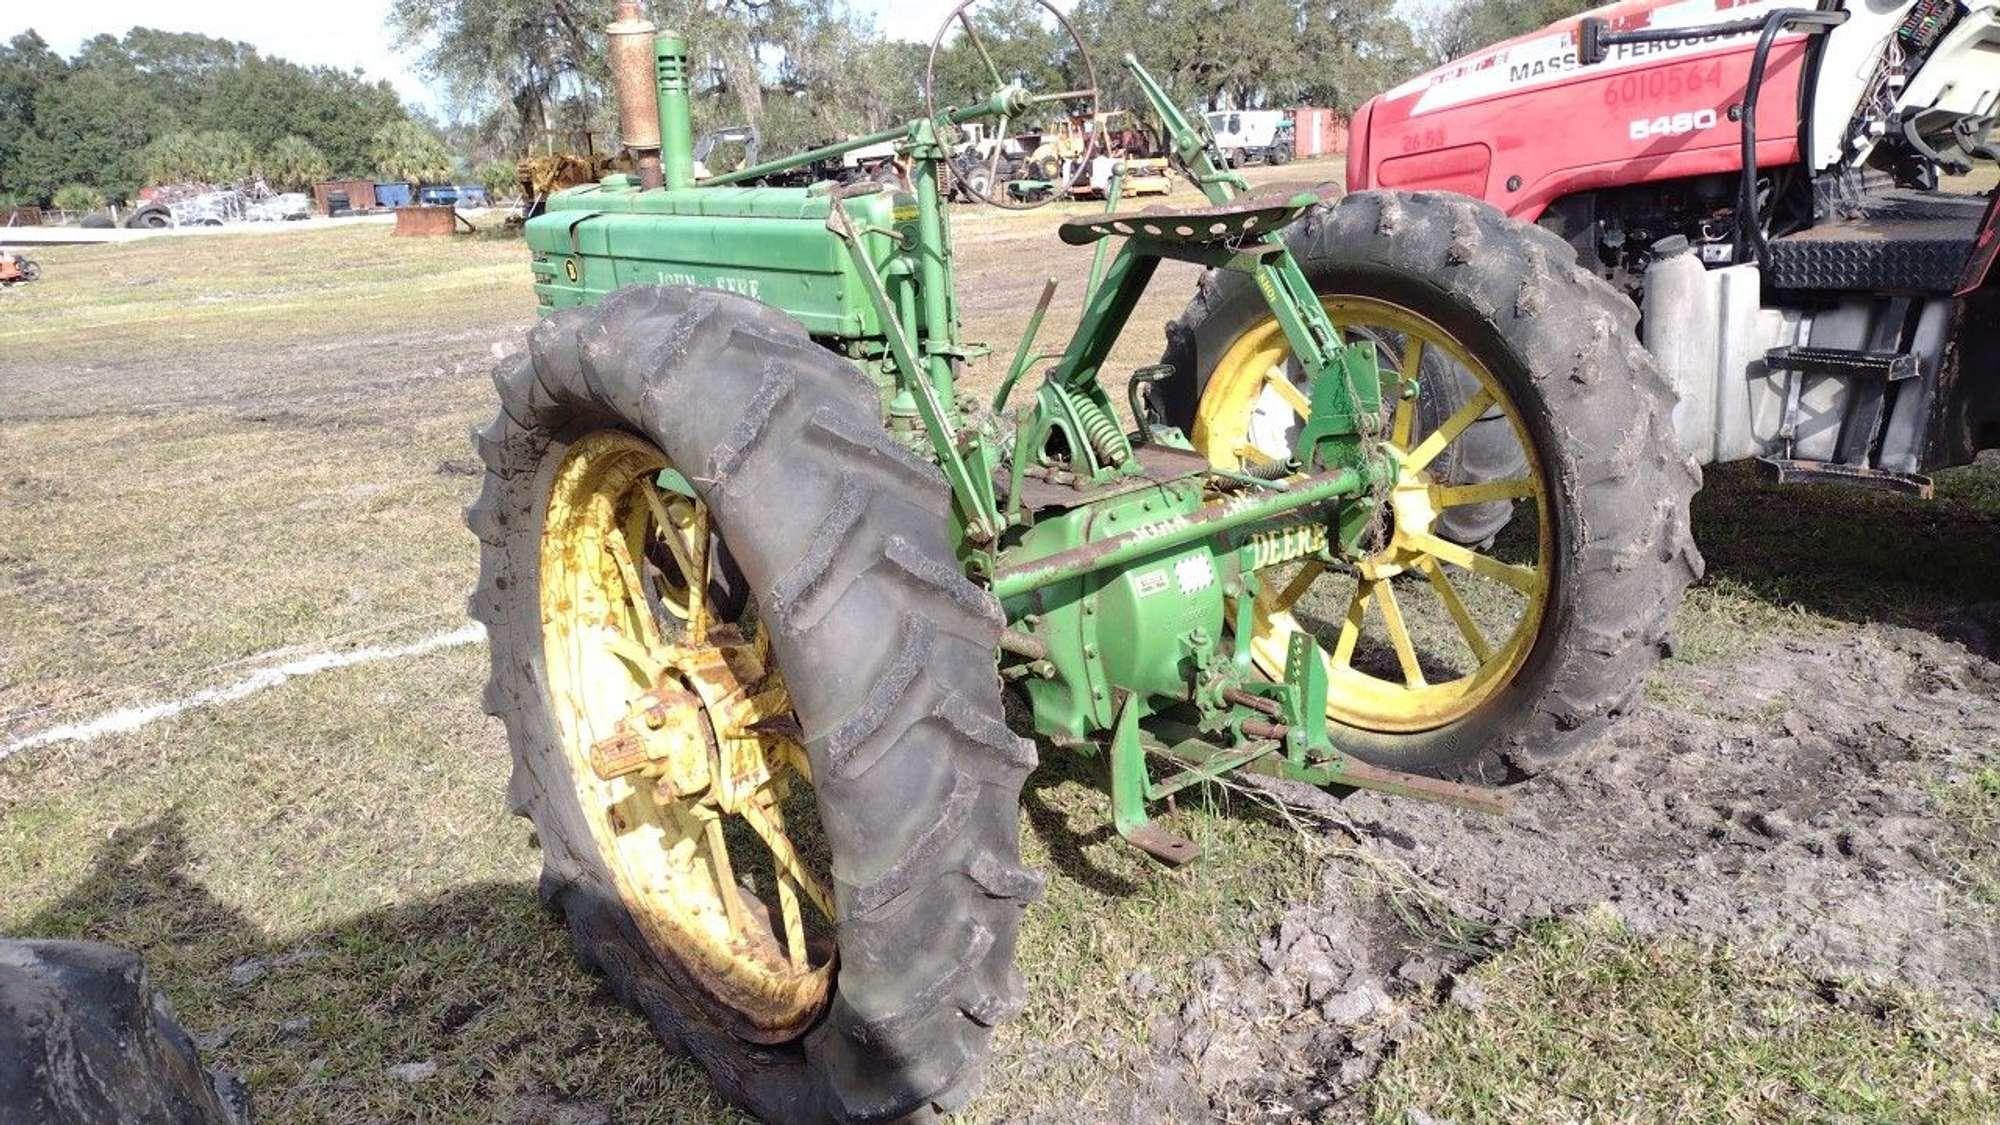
[(1672, 125), (1661, 82)]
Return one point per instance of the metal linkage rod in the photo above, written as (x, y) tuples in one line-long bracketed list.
[(1140, 542)]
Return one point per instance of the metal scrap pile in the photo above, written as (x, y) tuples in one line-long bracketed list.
[(203, 204), (545, 174)]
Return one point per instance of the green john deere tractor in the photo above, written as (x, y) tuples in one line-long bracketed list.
[(757, 565)]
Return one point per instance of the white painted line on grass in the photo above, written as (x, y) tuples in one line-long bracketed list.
[(132, 718)]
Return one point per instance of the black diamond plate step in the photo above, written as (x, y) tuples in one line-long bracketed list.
[(1899, 241)]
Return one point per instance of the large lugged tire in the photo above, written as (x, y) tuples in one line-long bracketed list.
[(978, 184), (843, 541), (1578, 431), (151, 216)]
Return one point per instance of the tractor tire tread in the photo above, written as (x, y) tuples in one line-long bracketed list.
[(784, 441)]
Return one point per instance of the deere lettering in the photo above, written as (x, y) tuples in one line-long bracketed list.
[(744, 286)]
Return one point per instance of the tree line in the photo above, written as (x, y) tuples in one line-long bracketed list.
[(526, 75), (157, 107)]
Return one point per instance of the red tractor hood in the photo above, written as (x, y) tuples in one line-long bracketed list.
[(1521, 123)]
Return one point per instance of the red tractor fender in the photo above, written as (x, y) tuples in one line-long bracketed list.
[(1522, 124), (1985, 248), (1357, 146)]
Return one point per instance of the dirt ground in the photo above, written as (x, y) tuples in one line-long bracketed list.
[(1748, 816), (1774, 893)]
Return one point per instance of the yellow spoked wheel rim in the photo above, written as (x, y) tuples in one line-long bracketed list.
[(1421, 631), (681, 743)]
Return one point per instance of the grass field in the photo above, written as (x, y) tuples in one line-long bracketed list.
[(217, 453), (1725, 1035), (1981, 179)]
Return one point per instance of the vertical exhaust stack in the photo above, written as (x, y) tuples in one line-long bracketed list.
[(676, 116), (632, 75)]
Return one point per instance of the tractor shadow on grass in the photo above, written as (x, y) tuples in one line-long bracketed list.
[(1058, 800), (1859, 557), (464, 1006), (1248, 836)]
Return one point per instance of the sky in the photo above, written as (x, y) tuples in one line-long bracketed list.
[(303, 33)]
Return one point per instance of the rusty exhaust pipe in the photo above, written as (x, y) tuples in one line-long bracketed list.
[(632, 75)]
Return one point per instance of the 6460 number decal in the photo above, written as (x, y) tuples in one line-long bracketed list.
[(1672, 125)]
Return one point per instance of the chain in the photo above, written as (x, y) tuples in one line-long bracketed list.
[(1374, 537)]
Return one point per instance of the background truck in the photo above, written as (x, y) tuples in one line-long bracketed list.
[(982, 163), (1252, 136), (1773, 186)]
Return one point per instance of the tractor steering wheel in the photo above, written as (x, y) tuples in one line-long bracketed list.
[(1002, 198)]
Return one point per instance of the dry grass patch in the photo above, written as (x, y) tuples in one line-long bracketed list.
[(94, 302), (1971, 803), (141, 550), (1585, 1021)]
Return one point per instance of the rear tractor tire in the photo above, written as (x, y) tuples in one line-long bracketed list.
[(1521, 578), (752, 705)]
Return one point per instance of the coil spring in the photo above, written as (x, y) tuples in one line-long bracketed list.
[(1101, 430), (1268, 470)]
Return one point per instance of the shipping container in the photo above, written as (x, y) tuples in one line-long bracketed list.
[(344, 196), (1317, 131)]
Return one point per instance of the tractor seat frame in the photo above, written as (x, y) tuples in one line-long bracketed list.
[(1227, 224)]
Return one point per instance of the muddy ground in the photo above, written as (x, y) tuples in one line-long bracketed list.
[(1789, 811), (202, 465)]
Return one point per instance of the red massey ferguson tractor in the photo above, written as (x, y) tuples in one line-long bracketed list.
[(1764, 180)]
